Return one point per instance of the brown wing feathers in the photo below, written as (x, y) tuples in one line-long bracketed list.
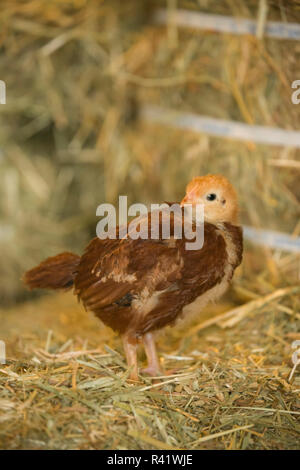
[(113, 277), (200, 271)]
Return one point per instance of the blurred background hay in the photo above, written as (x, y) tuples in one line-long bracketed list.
[(77, 74)]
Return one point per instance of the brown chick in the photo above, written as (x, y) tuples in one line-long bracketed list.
[(139, 286)]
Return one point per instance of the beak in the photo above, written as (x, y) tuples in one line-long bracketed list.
[(185, 200), (190, 197)]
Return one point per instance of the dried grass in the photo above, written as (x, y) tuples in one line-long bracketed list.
[(65, 382)]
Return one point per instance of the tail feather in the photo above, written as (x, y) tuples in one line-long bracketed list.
[(57, 272)]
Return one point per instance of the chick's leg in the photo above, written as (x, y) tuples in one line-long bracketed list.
[(130, 348), (150, 349)]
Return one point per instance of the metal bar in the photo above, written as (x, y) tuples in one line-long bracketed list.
[(226, 24), (272, 239), (221, 127)]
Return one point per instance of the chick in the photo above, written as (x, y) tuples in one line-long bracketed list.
[(139, 286)]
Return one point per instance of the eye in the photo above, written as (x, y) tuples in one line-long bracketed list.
[(211, 197)]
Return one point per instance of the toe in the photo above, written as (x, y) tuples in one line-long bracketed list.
[(153, 371)]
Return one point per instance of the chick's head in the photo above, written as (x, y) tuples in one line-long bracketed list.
[(217, 195)]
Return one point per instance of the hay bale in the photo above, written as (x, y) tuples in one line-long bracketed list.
[(77, 74)]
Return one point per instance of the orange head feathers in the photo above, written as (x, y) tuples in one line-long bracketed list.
[(217, 195)]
